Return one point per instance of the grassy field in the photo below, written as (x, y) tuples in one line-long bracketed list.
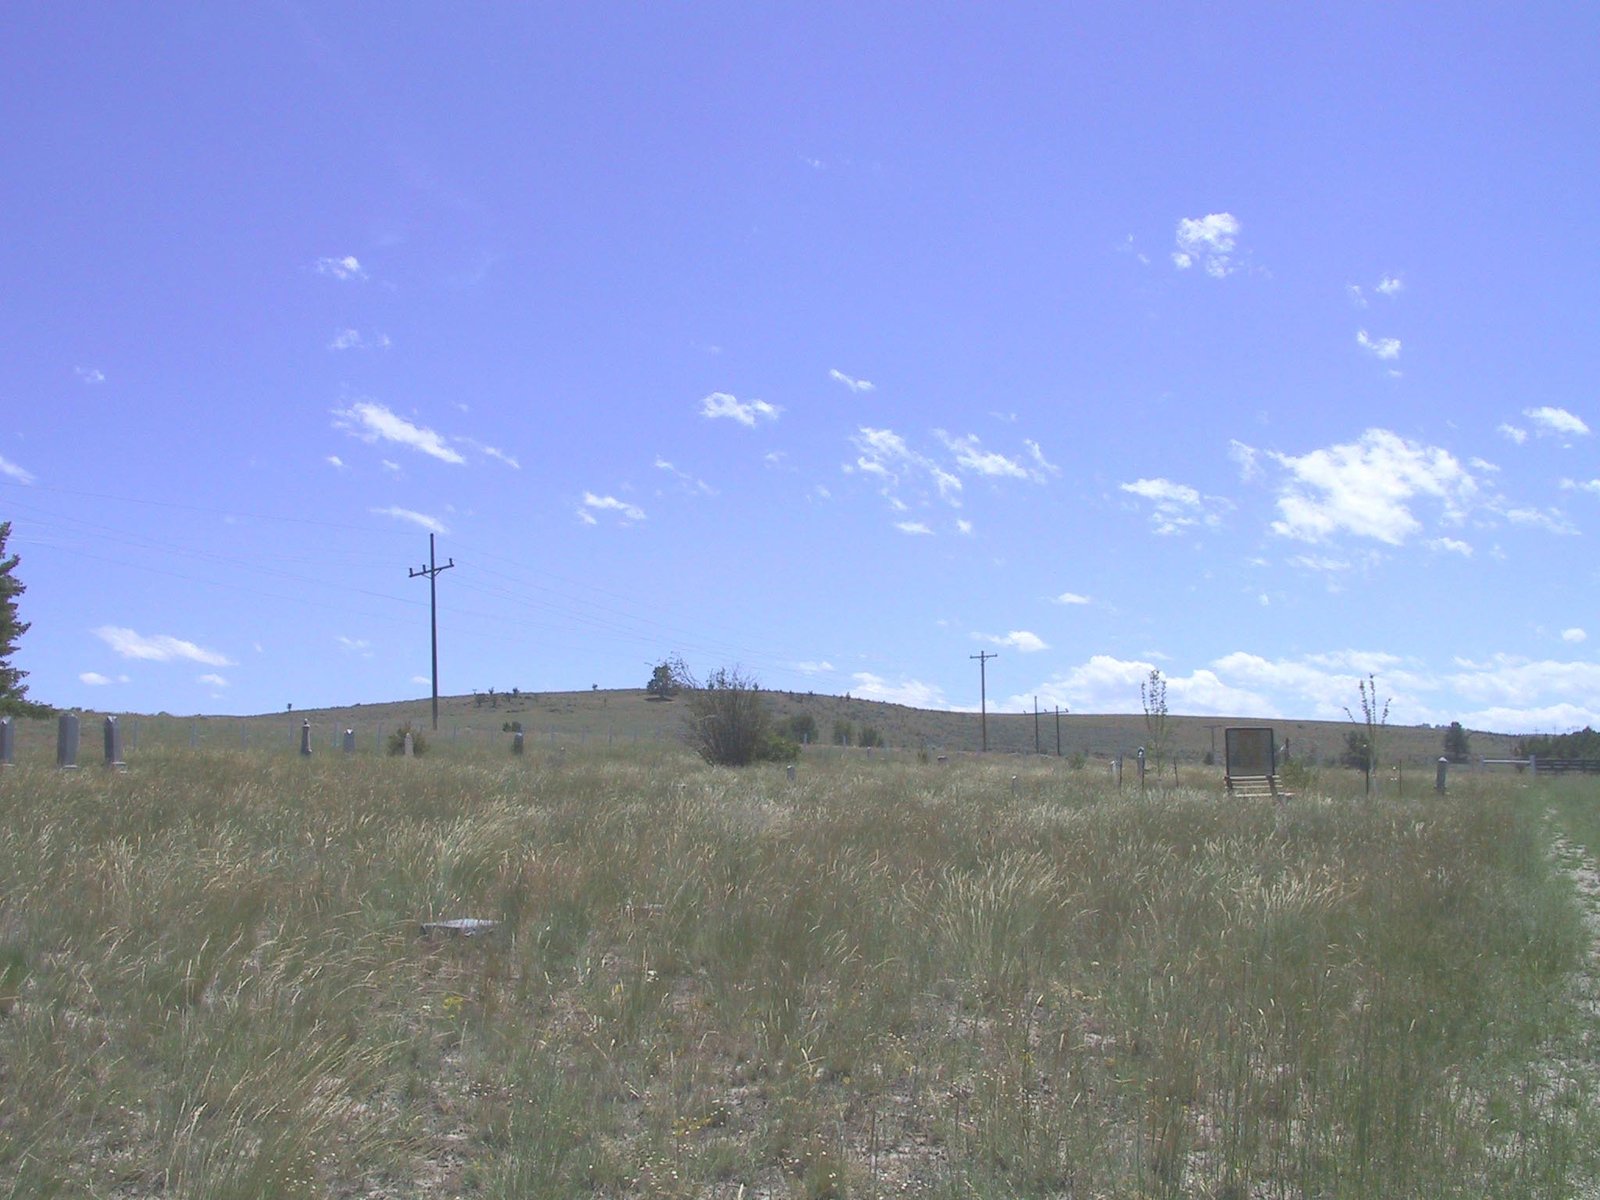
[(999, 977), (470, 728)]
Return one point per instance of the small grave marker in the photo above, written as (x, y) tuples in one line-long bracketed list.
[(305, 738), (349, 741), (8, 742)]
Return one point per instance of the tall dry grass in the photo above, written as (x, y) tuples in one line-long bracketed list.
[(885, 978)]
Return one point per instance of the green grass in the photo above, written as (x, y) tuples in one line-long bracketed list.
[(884, 978)]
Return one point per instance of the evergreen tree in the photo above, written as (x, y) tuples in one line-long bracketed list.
[(1457, 746), (13, 692)]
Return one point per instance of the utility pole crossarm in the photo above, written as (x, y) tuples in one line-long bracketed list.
[(431, 569)]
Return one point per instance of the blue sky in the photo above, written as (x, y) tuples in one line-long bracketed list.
[(1252, 343)]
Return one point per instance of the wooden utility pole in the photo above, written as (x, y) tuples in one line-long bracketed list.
[(983, 658), (431, 570)]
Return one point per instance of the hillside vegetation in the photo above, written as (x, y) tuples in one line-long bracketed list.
[(631, 716)]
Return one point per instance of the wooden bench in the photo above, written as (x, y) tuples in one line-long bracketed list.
[(1256, 787)]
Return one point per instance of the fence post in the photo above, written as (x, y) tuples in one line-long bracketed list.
[(1141, 768), (1439, 776), (67, 741), (8, 742), (305, 738), (114, 745)]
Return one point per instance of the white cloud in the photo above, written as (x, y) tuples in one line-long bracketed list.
[(1177, 506), (1572, 485), (963, 527), (345, 268), (1357, 296), (747, 413), (916, 528), (1244, 457), (911, 692), (11, 471), (1574, 635), (609, 504), (1555, 422), (493, 452), (970, 456), (855, 385), (353, 339), (1391, 285), (352, 645), (1551, 520), (1365, 488), (1451, 546), (1209, 241), (1070, 598), (689, 483), (1512, 433), (421, 520), (883, 455), (90, 374), (1387, 348), (1017, 639), (813, 668), (213, 679), (334, 461), (158, 647), (94, 679), (373, 422)]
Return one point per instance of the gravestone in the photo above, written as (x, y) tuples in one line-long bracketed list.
[(67, 741), (305, 739), (8, 742), (349, 741), (113, 740)]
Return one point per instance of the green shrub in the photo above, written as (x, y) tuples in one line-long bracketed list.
[(397, 741), (729, 723)]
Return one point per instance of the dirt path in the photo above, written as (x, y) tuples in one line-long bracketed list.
[(1577, 1069)]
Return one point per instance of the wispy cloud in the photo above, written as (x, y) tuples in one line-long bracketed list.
[(334, 461), (1512, 433), (1555, 422), (1366, 488), (1208, 242), (354, 339), (90, 374), (746, 412), (972, 458), (1018, 639), (374, 423), (95, 679), (1069, 598), (421, 520), (159, 647), (1175, 506), (343, 269), (884, 456), (1574, 635), (916, 528), (1386, 348), (855, 385), (213, 679), (692, 484), (11, 471), (360, 646), (493, 452), (1391, 285), (592, 504)]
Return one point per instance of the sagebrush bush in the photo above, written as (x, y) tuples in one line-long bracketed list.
[(397, 741), (729, 722)]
